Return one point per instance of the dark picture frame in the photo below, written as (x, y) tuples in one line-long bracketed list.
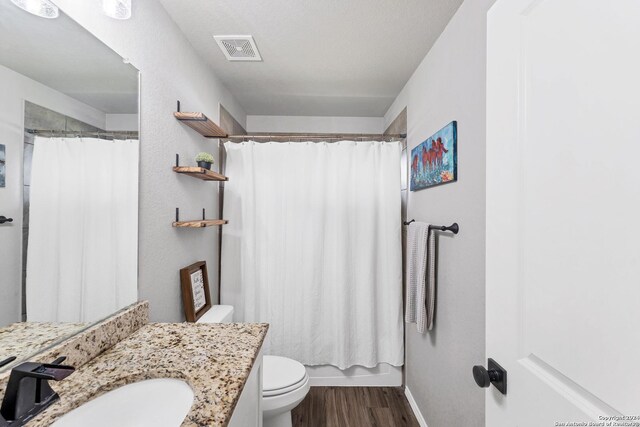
[(196, 297)]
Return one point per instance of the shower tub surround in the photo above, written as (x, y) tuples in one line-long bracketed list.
[(214, 359)]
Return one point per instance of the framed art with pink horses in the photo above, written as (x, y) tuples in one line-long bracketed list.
[(435, 160)]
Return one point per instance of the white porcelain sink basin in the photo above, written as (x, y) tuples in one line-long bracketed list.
[(163, 402)]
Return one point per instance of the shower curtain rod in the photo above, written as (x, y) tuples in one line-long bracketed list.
[(327, 136), (51, 132)]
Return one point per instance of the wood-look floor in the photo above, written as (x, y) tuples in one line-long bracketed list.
[(354, 407)]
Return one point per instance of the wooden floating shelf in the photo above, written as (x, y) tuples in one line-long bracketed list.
[(200, 223), (200, 173), (201, 124)]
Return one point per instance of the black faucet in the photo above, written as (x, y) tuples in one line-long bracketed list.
[(28, 393)]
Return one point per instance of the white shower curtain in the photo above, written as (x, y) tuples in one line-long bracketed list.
[(83, 229), (313, 247)]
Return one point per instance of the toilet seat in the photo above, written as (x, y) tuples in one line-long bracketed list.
[(279, 391), (282, 375), (285, 401), (285, 384)]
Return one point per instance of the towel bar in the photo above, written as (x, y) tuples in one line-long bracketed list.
[(454, 228)]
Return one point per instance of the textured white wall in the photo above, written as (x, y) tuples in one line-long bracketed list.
[(15, 89), (170, 70), (122, 122), (315, 124), (450, 85)]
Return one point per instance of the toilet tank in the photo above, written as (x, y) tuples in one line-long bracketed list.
[(218, 314)]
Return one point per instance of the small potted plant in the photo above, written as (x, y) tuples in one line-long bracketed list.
[(205, 160)]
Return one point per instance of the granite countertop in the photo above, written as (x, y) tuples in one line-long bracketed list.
[(26, 338), (214, 359)]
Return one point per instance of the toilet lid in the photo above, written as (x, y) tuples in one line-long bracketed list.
[(281, 372)]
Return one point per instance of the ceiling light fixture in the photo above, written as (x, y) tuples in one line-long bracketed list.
[(117, 9), (41, 8)]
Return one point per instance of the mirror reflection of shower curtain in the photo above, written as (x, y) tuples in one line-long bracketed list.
[(313, 247), (83, 229)]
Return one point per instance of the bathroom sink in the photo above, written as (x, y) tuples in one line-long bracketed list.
[(160, 402)]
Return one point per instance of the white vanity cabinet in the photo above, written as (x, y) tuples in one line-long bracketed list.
[(248, 411)]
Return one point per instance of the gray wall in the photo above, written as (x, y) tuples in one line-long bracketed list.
[(450, 85), (170, 70)]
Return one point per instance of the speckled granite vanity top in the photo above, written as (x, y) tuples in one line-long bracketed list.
[(215, 359), (25, 338)]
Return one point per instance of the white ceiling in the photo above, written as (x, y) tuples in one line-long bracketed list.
[(59, 53), (322, 57)]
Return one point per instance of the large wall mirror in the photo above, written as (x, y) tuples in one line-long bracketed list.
[(69, 155)]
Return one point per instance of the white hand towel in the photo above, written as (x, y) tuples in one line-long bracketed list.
[(430, 298), (420, 276), (416, 263)]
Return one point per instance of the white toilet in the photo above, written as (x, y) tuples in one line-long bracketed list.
[(285, 382)]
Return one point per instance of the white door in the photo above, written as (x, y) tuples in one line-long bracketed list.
[(563, 211)]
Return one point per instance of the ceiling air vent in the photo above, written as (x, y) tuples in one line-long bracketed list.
[(238, 48)]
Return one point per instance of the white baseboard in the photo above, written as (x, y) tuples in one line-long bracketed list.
[(414, 407)]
